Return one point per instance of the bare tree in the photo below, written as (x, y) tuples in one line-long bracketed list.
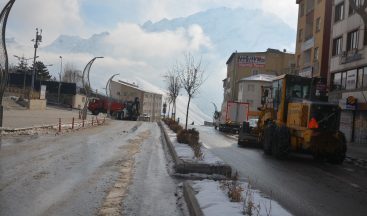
[(72, 75), (174, 86), (191, 77)]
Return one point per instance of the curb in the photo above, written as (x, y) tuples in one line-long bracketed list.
[(186, 167), (26, 128), (191, 201)]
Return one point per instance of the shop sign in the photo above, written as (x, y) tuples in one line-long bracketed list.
[(351, 103), (251, 61)]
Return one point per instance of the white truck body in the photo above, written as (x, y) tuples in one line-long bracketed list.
[(232, 115)]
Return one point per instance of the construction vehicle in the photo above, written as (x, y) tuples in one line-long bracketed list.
[(296, 117), (231, 116), (128, 110)]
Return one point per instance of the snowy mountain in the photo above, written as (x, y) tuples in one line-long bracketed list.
[(235, 29), (228, 29)]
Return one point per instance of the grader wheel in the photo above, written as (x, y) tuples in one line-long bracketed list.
[(281, 142), (268, 138)]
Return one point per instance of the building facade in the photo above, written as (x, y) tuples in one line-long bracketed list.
[(313, 37), (250, 89), (150, 102), (348, 70), (246, 64)]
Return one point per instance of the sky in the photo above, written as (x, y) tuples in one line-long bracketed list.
[(131, 49)]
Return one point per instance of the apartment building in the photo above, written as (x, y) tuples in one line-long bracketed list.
[(313, 37), (348, 70), (245, 64), (150, 102)]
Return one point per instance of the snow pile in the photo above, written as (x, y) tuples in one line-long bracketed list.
[(213, 201), (185, 152)]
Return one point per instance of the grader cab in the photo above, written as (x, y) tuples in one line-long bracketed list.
[(295, 116)]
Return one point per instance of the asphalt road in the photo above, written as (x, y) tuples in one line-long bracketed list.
[(301, 185), (85, 173)]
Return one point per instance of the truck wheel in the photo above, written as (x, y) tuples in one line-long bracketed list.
[(281, 142), (338, 156), (268, 138)]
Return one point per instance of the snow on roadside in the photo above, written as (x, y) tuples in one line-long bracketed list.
[(185, 152), (213, 201)]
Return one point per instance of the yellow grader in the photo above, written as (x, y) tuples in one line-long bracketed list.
[(296, 117)]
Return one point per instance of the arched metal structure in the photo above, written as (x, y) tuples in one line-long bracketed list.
[(3, 55), (108, 93), (87, 86)]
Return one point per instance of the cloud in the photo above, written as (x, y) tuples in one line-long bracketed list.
[(53, 16), (130, 40)]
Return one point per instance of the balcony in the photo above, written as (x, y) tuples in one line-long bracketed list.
[(350, 56), (308, 44)]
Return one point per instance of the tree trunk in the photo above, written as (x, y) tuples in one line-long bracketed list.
[(187, 112)]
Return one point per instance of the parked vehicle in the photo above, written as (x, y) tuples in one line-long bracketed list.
[(231, 116), (128, 110), (295, 116)]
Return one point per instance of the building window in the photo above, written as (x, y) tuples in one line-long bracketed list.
[(318, 24), (351, 11), (301, 9), (364, 77), (351, 79), (316, 54), (344, 80), (337, 46), (251, 88), (337, 81), (255, 72), (339, 12), (360, 78), (319, 1), (300, 32), (352, 40)]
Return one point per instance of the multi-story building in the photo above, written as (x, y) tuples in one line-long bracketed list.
[(245, 64), (313, 37), (348, 70), (150, 102), (250, 91)]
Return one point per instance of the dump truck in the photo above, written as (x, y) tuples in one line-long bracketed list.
[(296, 116), (231, 116), (128, 110)]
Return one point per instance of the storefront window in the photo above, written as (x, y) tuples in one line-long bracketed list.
[(337, 81), (360, 78), (351, 79), (344, 80)]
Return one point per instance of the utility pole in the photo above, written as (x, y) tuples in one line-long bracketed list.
[(37, 40), (59, 90)]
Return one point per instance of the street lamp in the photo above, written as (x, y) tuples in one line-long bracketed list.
[(86, 85), (4, 69), (108, 94), (58, 92)]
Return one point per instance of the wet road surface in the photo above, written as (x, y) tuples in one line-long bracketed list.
[(77, 173), (301, 185)]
